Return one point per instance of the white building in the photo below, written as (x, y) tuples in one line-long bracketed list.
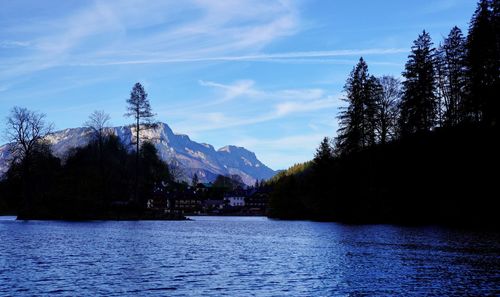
[(235, 201)]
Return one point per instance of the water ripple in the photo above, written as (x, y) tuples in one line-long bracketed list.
[(244, 257)]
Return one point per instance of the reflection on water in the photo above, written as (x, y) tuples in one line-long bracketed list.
[(244, 256)]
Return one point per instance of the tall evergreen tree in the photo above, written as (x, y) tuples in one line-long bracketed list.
[(356, 121), (451, 76), (139, 108), (324, 153), (419, 101), (496, 83), (496, 24), (373, 95), (483, 64)]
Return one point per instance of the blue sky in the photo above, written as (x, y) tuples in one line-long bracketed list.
[(266, 75)]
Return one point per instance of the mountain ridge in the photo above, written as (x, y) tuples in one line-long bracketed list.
[(193, 157)]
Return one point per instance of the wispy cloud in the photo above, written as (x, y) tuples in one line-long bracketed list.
[(281, 152), (247, 89), (133, 32), (287, 108), (293, 142), (13, 43), (440, 5), (240, 88), (279, 104), (293, 57)]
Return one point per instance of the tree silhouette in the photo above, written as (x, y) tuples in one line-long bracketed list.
[(98, 121), (324, 153), (139, 108), (419, 101), (388, 108), (356, 121), (451, 77), (483, 60), (26, 131), (31, 156), (195, 180)]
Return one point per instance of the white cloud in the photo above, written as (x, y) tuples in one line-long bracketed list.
[(291, 107), (285, 57), (247, 89), (112, 32), (279, 153), (273, 104), (14, 43), (239, 88), (309, 141)]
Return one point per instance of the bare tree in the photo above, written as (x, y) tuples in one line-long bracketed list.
[(388, 108), (176, 169), (195, 180), (26, 131), (98, 122)]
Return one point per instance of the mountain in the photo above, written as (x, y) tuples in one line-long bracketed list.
[(192, 157)]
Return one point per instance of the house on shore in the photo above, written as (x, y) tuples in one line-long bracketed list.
[(236, 198)]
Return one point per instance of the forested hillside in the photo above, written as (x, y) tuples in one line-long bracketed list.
[(421, 150)]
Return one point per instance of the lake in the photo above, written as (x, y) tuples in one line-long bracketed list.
[(243, 256)]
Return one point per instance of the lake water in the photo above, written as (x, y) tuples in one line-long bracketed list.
[(243, 256)]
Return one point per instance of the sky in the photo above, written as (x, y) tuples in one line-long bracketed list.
[(266, 75)]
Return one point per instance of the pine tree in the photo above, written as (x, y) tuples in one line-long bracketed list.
[(373, 95), (496, 83), (139, 108), (356, 121), (451, 77), (324, 153), (496, 25), (419, 101), (483, 64)]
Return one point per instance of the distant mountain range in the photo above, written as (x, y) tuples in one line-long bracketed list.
[(193, 157)]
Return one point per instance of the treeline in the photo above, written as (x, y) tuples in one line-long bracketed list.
[(105, 179), (421, 150), (94, 181)]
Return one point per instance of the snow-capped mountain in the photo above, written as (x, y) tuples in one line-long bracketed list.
[(193, 157)]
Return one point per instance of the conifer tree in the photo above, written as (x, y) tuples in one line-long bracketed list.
[(419, 101), (324, 153), (496, 24), (373, 94), (451, 77), (139, 109), (357, 120), (483, 64)]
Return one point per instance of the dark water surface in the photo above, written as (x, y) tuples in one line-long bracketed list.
[(244, 256)]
